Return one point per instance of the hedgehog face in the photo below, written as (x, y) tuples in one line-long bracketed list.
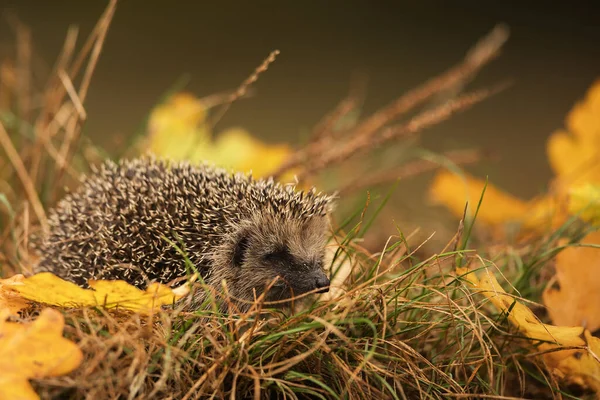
[(282, 257)]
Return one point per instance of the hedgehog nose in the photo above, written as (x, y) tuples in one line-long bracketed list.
[(322, 283)]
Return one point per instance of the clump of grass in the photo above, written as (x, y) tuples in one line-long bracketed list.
[(399, 331)]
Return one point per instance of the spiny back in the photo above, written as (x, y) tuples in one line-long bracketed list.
[(124, 213)]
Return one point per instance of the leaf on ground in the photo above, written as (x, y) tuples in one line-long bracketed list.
[(178, 129), (9, 300), (576, 299), (579, 366), (50, 289), (34, 350), (497, 207), (453, 191), (574, 155), (584, 201)]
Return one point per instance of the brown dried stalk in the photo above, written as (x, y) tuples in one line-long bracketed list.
[(24, 177), (361, 135), (415, 125), (411, 169), (74, 126), (242, 90)]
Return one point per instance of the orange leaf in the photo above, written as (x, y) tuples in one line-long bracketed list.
[(50, 289), (575, 155), (576, 301), (9, 300), (580, 366), (454, 191), (34, 350)]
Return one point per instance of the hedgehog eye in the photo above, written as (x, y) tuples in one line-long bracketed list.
[(239, 252), (280, 255)]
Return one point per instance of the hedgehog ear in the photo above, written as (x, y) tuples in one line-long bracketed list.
[(239, 251)]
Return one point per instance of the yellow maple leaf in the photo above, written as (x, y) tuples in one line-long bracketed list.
[(578, 366), (50, 289), (576, 300), (575, 158), (9, 300), (574, 155), (454, 191), (497, 207), (237, 149), (34, 350), (178, 130), (584, 201)]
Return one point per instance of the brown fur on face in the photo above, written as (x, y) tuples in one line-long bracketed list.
[(280, 254)]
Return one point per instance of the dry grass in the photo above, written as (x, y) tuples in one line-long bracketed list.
[(402, 326), (399, 332)]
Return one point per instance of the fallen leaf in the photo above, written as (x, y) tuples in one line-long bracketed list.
[(237, 149), (574, 155), (497, 208), (178, 130), (454, 191), (176, 127), (576, 300), (584, 201), (9, 300), (34, 350), (579, 366), (50, 289)]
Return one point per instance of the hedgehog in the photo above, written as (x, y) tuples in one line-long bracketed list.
[(146, 219)]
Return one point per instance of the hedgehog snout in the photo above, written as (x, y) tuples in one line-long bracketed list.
[(321, 282)]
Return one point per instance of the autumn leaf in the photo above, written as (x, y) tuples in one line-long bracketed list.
[(34, 350), (575, 300), (497, 207), (49, 289), (178, 130), (176, 127), (574, 155), (584, 201), (10, 300), (579, 366), (454, 191)]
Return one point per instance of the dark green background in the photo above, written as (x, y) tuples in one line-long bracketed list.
[(552, 58)]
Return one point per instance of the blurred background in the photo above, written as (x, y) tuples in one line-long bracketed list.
[(551, 58)]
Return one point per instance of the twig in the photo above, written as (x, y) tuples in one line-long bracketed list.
[(241, 91), (486, 49), (74, 127), (26, 181), (413, 126), (411, 169), (52, 100), (326, 126), (77, 102)]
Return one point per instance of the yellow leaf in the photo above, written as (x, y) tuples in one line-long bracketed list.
[(178, 130), (34, 350), (50, 289), (237, 149), (575, 155), (9, 300), (497, 207), (454, 191), (576, 301), (575, 158), (580, 366), (584, 201), (176, 127)]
